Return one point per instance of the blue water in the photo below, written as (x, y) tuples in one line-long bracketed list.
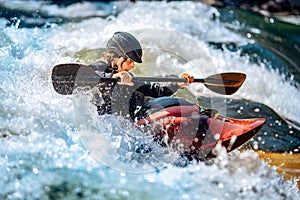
[(56, 147)]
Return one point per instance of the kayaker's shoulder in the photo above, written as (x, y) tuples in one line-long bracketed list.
[(100, 65)]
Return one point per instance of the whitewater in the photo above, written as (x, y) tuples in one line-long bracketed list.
[(43, 153)]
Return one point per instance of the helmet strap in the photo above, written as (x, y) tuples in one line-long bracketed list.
[(114, 67)]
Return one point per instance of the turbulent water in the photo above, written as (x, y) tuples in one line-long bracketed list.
[(43, 135)]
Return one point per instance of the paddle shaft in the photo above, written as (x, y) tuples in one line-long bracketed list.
[(210, 81), (66, 77)]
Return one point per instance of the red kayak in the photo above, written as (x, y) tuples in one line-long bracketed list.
[(191, 130)]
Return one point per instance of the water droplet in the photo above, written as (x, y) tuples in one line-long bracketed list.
[(113, 191), (221, 185), (123, 174), (255, 145), (256, 110), (125, 193), (217, 136), (35, 170)]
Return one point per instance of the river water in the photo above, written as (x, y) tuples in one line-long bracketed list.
[(48, 144)]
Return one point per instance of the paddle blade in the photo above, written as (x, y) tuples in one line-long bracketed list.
[(225, 83), (67, 77)]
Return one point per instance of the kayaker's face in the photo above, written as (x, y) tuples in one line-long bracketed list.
[(125, 64)]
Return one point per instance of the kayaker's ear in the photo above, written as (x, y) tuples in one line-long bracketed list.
[(120, 61)]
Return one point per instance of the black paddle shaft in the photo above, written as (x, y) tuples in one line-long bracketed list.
[(66, 77)]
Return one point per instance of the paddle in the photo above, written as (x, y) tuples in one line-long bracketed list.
[(66, 77)]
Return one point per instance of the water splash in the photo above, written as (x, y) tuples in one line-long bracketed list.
[(43, 157)]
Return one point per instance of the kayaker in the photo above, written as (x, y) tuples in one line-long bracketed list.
[(123, 50)]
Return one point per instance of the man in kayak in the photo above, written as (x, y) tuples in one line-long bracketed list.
[(181, 124), (137, 102), (173, 122), (123, 49)]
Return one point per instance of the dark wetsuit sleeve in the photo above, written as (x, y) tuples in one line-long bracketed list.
[(156, 90), (103, 98)]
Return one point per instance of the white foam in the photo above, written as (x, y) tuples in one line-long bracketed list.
[(50, 147)]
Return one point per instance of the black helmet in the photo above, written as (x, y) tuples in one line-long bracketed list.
[(125, 45)]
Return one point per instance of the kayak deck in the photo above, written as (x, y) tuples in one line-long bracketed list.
[(196, 133)]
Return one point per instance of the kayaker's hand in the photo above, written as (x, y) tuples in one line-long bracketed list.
[(188, 77), (126, 78)]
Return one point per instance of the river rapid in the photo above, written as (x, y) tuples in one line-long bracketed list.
[(56, 147)]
